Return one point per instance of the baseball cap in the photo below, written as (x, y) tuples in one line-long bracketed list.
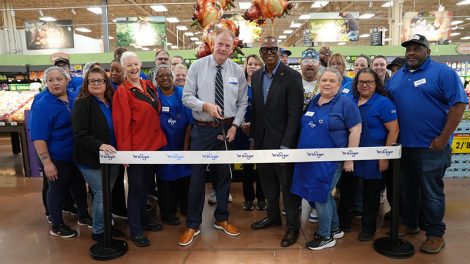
[(310, 54), (418, 39), (61, 60), (397, 61), (286, 51)]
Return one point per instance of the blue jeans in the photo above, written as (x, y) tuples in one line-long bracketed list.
[(327, 214), (94, 179), (422, 188)]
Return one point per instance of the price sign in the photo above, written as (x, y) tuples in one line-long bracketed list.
[(461, 144)]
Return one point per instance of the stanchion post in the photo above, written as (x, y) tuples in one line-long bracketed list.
[(109, 248), (393, 246)]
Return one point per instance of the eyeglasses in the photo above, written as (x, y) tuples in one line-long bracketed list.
[(96, 81), (161, 76), (265, 50), (309, 62), (162, 59), (368, 82)]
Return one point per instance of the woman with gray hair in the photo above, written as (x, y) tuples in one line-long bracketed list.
[(330, 120), (136, 119), (51, 131)]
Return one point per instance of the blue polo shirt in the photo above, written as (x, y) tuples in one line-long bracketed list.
[(75, 84), (344, 114), (347, 89), (51, 121), (377, 111), (423, 99), (106, 109)]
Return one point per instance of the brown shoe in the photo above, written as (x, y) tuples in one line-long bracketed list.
[(433, 245), (229, 229), (187, 236), (404, 230)]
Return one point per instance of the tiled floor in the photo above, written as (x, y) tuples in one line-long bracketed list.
[(24, 232)]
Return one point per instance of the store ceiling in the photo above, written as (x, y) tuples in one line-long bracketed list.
[(26, 10)]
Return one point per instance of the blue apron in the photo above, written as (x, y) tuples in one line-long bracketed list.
[(368, 169), (174, 122), (312, 180)]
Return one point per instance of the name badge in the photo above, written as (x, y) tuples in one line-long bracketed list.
[(165, 109), (420, 82), (309, 113), (345, 91), (232, 80)]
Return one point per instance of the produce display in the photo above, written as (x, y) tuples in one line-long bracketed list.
[(13, 104)]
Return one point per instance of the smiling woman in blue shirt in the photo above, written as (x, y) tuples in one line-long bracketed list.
[(51, 131)]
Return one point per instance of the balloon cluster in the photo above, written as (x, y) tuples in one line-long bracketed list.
[(261, 10), (207, 16)]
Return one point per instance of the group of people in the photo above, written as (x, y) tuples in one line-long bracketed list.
[(265, 105)]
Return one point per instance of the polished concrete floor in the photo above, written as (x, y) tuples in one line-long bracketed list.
[(24, 232)]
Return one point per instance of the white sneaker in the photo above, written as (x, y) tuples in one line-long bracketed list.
[(212, 199), (313, 217)]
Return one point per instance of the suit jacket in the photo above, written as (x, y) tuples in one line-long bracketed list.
[(276, 122), (90, 130)]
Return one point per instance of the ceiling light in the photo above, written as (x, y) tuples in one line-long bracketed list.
[(295, 25), (189, 34), (159, 8), (95, 10), (288, 31), (464, 2), (388, 4), (172, 20), (194, 39), (279, 40), (181, 28), (244, 5), (456, 22), (304, 17), (83, 29), (73, 11), (198, 42), (364, 35), (366, 16), (341, 43), (47, 19), (319, 4), (169, 43), (282, 37), (465, 38), (454, 34), (173, 47)]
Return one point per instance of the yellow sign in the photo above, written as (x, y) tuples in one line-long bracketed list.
[(461, 144)]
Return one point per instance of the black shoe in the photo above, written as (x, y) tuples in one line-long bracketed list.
[(346, 229), (171, 221), (248, 206), (72, 210), (364, 237), (141, 241), (63, 230), (265, 223), (155, 227), (290, 238), (261, 205), (356, 214), (319, 242)]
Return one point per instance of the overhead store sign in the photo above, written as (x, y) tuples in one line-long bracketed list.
[(330, 27), (141, 32), (435, 25), (49, 35)]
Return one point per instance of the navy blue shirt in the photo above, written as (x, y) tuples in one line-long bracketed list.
[(344, 115), (51, 121), (267, 80), (109, 119), (423, 99), (75, 84)]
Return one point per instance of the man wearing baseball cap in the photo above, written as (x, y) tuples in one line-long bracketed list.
[(76, 82), (309, 65), (430, 101), (396, 64), (285, 53)]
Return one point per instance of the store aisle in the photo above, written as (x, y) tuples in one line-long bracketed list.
[(24, 232)]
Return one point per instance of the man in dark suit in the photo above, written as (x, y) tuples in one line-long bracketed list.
[(277, 103)]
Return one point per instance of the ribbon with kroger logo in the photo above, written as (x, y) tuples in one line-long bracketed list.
[(251, 156)]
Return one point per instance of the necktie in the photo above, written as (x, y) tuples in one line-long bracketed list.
[(219, 88)]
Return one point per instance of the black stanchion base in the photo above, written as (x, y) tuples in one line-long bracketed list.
[(401, 249), (99, 252)]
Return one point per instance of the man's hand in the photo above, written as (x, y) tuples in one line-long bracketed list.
[(231, 133), (438, 143), (213, 110)]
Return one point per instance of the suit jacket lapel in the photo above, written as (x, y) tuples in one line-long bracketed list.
[(276, 80)]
